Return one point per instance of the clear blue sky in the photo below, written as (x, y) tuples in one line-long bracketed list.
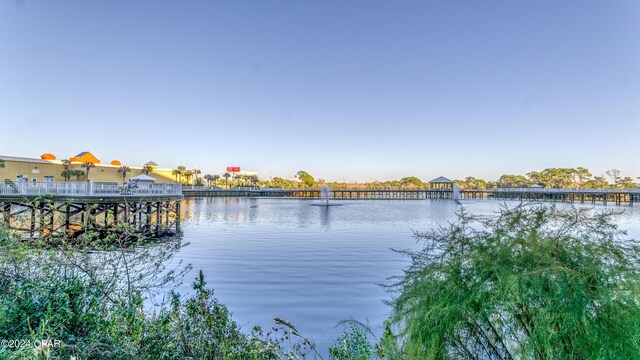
[(346, 90)]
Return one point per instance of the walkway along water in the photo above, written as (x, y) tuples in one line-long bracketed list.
[(57, 207), (616, 196), (50, 208)]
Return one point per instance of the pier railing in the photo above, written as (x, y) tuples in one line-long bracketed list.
[(88, 188), (567, 190)]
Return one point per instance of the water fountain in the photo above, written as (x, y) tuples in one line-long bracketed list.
[(455, 195), (324, 193)]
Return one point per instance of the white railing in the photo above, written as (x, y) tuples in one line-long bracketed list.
[(568, 190), (201, 187), (87, 188), (216, 188), (6, 189)]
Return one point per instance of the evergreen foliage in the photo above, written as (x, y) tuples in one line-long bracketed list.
[(533, 282), (90, 295)]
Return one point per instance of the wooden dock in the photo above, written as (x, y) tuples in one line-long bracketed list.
[(54, 209), (50, 209), (337, 194), (583, 196)]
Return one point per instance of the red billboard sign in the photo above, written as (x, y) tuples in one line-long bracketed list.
[(233, 169)]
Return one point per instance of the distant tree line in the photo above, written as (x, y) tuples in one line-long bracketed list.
[(580, 178), (194, 177), (576, 178), (306, 180), (187, 176)]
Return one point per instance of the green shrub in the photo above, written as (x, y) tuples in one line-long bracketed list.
[(352, 345), (532, 282), (201, 328), (75, 312), (93, 303)]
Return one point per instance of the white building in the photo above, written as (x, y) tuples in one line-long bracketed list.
[(244, 174)]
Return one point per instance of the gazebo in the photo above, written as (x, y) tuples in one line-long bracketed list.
[(143, 179), (441, 183)]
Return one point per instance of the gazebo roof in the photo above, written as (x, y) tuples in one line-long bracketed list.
[(441, 179), (143, 177), (151, 163)]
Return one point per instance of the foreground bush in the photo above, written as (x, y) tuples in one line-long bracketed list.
[(93, 303), (529, 283), (78, 314), (352, 345), (532, 282)]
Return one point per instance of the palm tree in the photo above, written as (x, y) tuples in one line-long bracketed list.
[(66, 163), (215, 179), (226, 177), (124, 170), (182, 169), (176, 173), (209, 178), (87, 166), (195, 174), (77, 173), (188, 175), (254, 179), (66, 174), (1, 163), (147, 169)]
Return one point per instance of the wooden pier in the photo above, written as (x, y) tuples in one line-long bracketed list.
[(50, 209), (583, 196), (335, 194)]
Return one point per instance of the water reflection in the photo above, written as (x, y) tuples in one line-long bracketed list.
[(324, 216), (313, 265)]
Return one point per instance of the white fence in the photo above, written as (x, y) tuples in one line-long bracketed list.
[(88, 188), (556, 190), (209, 188)]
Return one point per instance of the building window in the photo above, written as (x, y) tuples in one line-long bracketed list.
[(22, 178), (48, 179)]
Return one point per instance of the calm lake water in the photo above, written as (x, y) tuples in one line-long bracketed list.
[(313, 265)]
